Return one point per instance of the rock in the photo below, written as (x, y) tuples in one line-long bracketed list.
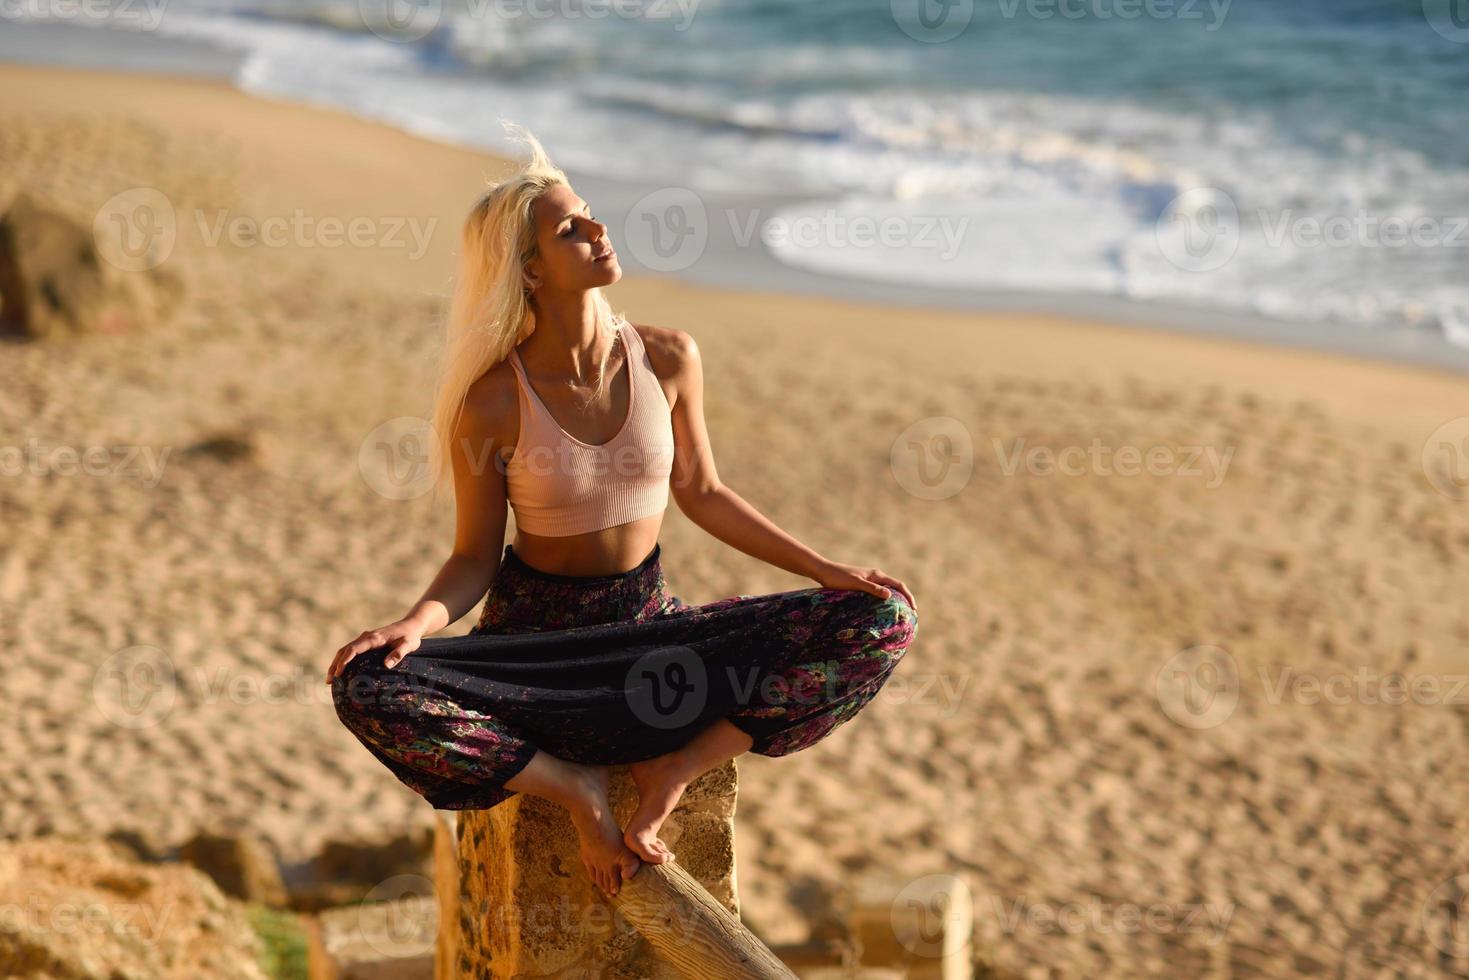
[(390, 940), (519, 902), (79, 910), (372, 861), (347, 871), (241, 865), (54, 281), (228, 447)]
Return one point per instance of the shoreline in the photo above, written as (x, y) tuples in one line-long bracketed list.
[(751, 267)]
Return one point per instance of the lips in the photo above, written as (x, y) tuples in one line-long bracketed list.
[(604, 257)]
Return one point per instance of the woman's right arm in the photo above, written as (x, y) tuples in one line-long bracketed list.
[(479, 535)]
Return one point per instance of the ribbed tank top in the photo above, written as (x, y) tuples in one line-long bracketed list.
[(559, 485)]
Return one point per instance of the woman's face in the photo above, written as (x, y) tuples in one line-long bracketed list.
[(575, 253)]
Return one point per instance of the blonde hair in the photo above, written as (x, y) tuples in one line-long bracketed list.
[(490, 311)]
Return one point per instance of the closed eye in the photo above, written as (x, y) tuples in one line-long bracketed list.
[(573, 227)]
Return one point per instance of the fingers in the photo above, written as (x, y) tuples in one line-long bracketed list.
[(398, 653), (889, 580), (367, 640)]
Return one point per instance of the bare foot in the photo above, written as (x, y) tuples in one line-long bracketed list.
[(660, 783), (607, 858)]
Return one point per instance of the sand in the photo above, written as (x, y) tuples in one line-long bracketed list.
[(1036, 741)]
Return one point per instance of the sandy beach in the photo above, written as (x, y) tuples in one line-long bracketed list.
[(1281, 546)]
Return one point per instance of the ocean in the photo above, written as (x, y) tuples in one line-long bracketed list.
[(1303, 161)]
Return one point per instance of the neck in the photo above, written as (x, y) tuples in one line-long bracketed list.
[(570, 341)]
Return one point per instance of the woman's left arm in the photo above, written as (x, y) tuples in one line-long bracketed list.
[(726, 515)]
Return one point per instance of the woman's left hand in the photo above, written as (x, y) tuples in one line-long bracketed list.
[(837, 575)]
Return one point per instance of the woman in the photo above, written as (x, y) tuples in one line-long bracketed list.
[(582, 658)]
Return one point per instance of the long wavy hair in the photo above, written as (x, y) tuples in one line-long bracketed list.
[(490, 311)]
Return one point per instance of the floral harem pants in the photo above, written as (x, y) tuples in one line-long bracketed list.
[(613, 669)]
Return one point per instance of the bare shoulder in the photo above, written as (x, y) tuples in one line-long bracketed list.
[(672, 352), (492, 408)]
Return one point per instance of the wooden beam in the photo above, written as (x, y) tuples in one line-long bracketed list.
[(690, 930)]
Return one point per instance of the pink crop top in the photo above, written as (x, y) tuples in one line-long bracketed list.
[(559, 485)]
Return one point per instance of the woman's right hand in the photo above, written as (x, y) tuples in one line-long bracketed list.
[(402, 637)]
